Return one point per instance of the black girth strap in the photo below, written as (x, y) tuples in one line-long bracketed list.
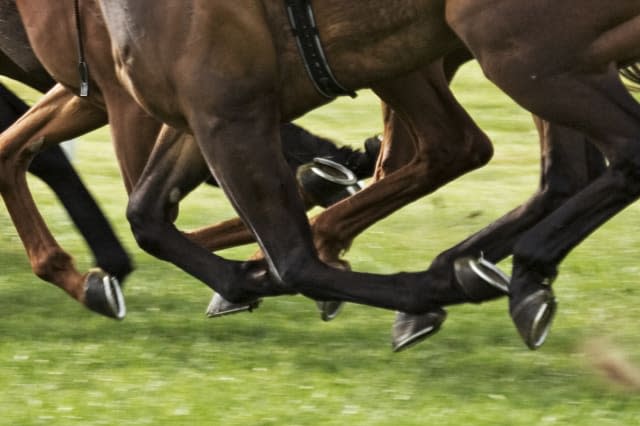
[(83, 69), (305, 32)]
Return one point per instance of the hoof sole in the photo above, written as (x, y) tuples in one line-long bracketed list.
[(409, 330), (219, 307), (329, 309), (533, 317), (102, 294)]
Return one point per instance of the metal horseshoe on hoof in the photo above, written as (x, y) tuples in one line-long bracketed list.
[(533, 317), (104, 295), (409, 330), (480, 279), (219, 307)]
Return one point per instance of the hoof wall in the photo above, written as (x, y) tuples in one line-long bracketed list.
[(409, 330), (219, 307), (533, 317), (329, 309), (102, 294), (480, 279)]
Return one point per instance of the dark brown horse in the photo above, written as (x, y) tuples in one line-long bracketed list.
[(233, 106), (101, 290), (473, 150)]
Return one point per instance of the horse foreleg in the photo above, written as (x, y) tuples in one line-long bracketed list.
[(175, 167), (429, 141), (55, 169), (45, 124)]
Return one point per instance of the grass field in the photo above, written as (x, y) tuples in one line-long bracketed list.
[(166, 364)]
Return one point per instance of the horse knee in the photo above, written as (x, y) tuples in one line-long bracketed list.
[(143, 225)]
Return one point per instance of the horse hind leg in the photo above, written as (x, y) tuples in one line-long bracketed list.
[(415, 159), (601, 105), (559, 146), (39, 128)]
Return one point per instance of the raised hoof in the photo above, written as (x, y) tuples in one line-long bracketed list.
[(219, 306), (408, 330), (480, 279), (326, 182), (102, 294), (329, 309), (533, 317)]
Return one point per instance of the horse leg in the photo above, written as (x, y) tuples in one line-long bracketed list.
[(43, 125), (233, 109), (408, 170), (472, 260), (174, 168), (229, 233), (153, 205), (583, 92), (537, 254), (55, 169), (300, 147), (414, 163), (568, 163), (266, 197)]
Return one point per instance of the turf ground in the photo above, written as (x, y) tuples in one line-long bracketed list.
[(166, 364)]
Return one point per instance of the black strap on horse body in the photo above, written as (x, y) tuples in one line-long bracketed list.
[(305, 31), (82, 63)]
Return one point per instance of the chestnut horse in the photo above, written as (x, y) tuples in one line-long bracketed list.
[(559, 62), (18, 62)]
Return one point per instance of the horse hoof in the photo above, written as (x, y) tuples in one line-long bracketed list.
[(219, 306), (408, 330), (533, 317), (102, 294), (326, 182), (329, 309), (480, 279)]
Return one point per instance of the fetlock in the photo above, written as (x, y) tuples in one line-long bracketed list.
[(364, 163)]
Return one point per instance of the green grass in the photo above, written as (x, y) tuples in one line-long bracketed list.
[(166, 364)]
